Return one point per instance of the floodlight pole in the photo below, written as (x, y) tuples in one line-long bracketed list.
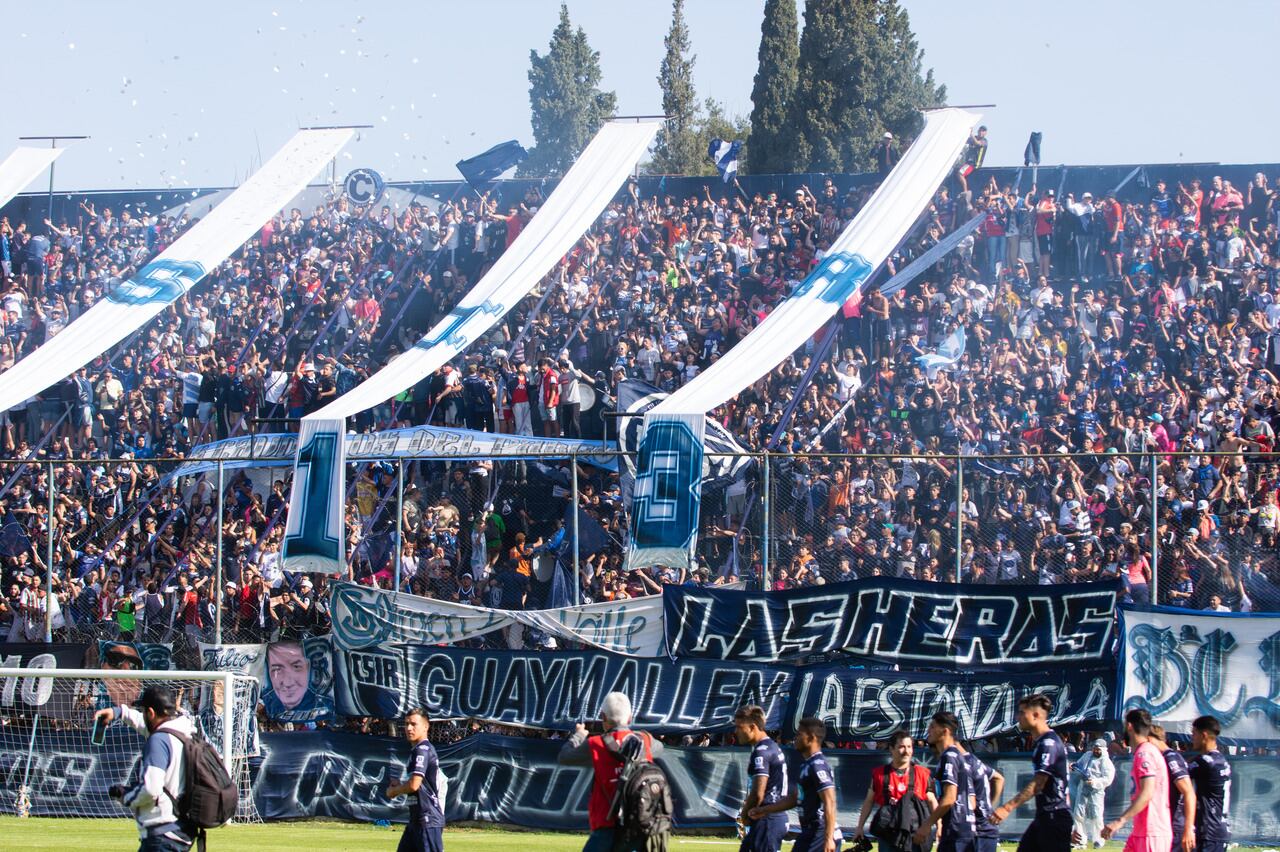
[(53, 143)]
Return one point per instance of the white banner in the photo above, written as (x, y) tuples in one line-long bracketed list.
[(315, 535), (580, 197), (178, 268), (21, 167), (851, 260), (575, 204), (1180, 664), (278, 449), (363, 617)]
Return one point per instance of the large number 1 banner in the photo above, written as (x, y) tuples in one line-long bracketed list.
[(314, 534), (1180, 664)]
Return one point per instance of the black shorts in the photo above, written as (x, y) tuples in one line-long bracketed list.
[(419, 838), (951, 843), (1044, 242), (1210, 845), (1049, 832)]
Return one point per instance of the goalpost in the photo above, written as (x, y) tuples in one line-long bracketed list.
[(49, 765)]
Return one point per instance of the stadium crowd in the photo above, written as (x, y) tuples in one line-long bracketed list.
[(1112, 347)]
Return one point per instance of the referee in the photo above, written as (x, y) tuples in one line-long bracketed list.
[(426, 784)]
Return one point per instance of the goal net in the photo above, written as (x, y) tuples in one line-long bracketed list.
[(49, 764)]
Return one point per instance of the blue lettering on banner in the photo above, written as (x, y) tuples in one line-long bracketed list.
[(836, 278), (1179, 664), (666, 491), (313, 541), (159, 283), (449, 330)]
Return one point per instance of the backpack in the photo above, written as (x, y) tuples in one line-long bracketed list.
[(641, 807), (209, 795), (895, 823)]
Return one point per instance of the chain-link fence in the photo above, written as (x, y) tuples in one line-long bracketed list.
[(136, 553)]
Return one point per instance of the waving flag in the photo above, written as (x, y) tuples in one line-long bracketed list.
[(725, 156), (482, 170)]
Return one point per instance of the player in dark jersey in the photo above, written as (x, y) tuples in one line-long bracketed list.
[(1182, 795), (1050, 831), (815, 793), (425, 831), (988, 785), (955, 790), (767, 770), (1211, 776)]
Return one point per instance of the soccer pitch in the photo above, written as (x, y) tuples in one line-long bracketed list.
[(84, 835)]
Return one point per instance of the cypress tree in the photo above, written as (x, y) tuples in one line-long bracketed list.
[(566, 101), (676, 147), (860, 74), (775, 84)]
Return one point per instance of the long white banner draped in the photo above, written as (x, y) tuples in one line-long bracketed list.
[(576, 202), (665, 515), (364, 617), (21, 167), (178, 268)]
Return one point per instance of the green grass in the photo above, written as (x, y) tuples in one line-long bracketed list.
[(85, 835)]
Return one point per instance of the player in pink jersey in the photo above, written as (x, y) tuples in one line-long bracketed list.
[(1149, 810)]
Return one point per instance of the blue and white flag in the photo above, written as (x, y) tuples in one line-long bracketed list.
[(947, 356), (725, 156)]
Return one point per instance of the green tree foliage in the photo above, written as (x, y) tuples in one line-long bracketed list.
[(775, 84), (568, 106), (859, 75), (676, 147)]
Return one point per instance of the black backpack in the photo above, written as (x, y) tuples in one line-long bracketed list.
[(641, 807), (209, 796), (895, 823)]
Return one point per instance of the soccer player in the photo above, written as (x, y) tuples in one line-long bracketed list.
[(1149, 808), (1211, 776), (426, 783), (815, 793), (768, 784), (952, 774), (1182, 796), (988, 785), (1050, 831)]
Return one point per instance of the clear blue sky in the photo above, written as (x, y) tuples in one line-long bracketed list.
[(188, 93)]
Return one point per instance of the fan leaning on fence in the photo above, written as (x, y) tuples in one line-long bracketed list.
[(183, 786)]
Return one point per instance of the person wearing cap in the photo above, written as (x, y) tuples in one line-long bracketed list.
[(162, 774), (887, 154)]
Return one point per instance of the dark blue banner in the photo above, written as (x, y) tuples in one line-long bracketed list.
[(509, 781), (897, 621), (555, 690), (870, 704)]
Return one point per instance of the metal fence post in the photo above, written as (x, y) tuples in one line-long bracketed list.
[(767, 508), (959, 517), (48, 552), (1155, 531), (219, 592), (573, 486), (400, 523)]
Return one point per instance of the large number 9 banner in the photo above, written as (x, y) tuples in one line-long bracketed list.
[(666, 492), (314, 533)]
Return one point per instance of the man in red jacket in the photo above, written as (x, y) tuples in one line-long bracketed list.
[(584, 750)]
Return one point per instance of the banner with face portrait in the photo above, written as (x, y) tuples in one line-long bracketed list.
[(296, 676)]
